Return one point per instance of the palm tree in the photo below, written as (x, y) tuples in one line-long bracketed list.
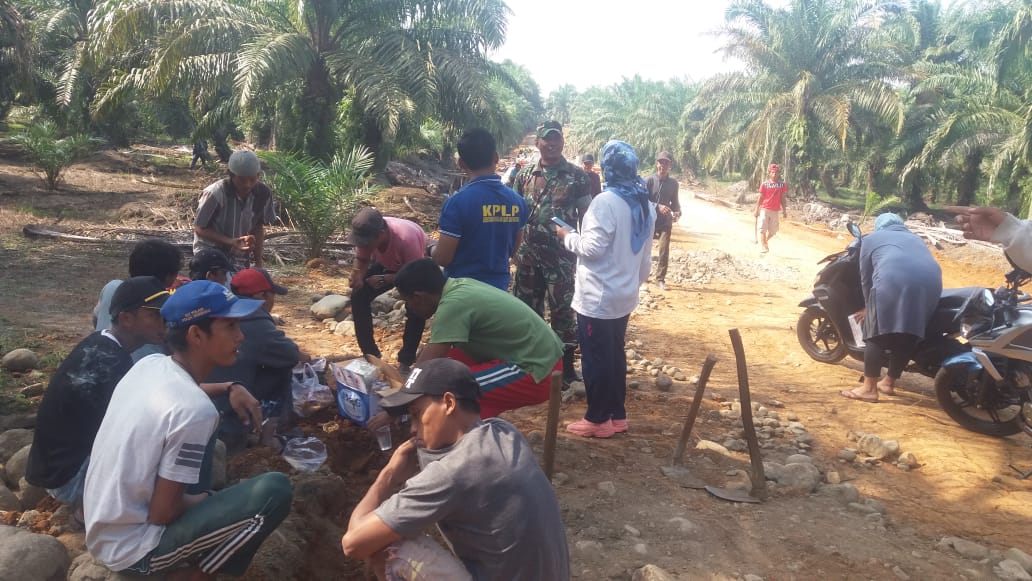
[(815, 72), (643, 113), (15, 56), (559, 102), (390, 58)]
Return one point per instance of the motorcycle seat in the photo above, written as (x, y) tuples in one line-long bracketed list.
[(953, 298)]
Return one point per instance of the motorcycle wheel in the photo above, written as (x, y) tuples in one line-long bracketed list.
[(952, 389), (818, 337)]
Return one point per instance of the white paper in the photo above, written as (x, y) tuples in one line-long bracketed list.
[(858, 330)]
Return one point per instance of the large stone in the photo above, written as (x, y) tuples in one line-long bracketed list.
[(20, 360), (8, 499), (1008, 570), (29, 495), (25, 555), (14, 468), (663, 382), (12, 421), (344, 329), (13, 440), (799, 477), (1021, 557), (651, 573), (846, 493), (329, 306), (965, 548), (86, 568), (876, 448), (383, 303)]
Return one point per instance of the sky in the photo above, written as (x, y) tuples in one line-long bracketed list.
[(599, 43)]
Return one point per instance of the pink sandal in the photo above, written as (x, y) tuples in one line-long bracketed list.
[(588, 429), (619, 426)]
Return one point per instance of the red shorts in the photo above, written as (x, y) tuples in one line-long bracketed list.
[(503, 386)]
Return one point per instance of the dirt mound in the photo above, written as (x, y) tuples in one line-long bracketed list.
[(705, 266)]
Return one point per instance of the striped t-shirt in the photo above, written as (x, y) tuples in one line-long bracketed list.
[(221, 209)]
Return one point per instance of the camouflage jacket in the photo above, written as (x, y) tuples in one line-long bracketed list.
[(552, 191)]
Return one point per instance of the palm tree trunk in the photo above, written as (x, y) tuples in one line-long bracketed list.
[(967, 185), (914, 195), (828, 183), (320, 107)]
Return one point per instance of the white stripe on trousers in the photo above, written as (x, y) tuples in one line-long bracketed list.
[(497, 376), (201, 544), (218, 557)]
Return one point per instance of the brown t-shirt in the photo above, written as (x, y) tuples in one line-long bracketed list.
[(663, 191), (220, 208)]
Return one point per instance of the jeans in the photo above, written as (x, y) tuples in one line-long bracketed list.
[(362, 314)]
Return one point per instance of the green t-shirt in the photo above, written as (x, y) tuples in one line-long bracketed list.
[(487, 323)]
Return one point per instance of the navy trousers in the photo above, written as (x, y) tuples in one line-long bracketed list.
[(604, 366)]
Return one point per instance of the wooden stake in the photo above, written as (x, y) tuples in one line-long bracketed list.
[(552, 427), (759, 479), (693, 412)]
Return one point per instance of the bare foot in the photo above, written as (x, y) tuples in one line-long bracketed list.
[(887, 387)]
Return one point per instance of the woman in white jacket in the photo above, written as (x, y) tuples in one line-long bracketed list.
[(614, 254)]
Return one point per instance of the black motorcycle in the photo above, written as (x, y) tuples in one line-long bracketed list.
[(824, 329)]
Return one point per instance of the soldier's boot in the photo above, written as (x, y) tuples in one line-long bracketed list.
[(569, 370)]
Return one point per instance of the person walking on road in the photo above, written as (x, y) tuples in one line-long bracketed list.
[(769, 204)]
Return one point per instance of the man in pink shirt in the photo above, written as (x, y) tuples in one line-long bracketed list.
[(382, 247)]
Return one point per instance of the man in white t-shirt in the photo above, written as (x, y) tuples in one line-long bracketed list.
[(151, 446)]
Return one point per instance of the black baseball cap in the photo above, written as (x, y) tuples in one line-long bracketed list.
[(208, 260), (435, 377), (366, 226), (588, 157), (664, 155), (137, 292)]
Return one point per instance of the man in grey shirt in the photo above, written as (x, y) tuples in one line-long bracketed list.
[(477, 480), (232, 212)]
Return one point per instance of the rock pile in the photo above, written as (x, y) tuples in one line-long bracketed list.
[(705, 266)]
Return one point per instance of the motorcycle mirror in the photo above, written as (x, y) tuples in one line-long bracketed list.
[(854, 230)]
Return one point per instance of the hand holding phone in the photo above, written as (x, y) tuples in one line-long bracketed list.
[(562, 224)]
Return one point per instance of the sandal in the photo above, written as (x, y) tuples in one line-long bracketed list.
[(587, 429), (848, 394), (619, 426)]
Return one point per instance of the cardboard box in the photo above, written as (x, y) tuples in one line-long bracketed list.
[(358, 383)]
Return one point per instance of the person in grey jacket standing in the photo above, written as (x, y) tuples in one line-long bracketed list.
[(901, 283)]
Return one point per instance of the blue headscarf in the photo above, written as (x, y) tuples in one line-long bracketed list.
[(886, 220), (620, 168)]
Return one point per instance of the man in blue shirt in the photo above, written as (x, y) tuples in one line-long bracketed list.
[(482, 224)]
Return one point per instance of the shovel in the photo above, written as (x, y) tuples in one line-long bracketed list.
[(676, 471), (759, 480)]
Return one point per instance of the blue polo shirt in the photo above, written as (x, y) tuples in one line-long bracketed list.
[(485, 216)]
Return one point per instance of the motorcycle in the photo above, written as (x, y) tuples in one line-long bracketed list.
[(988, 389), (826, 335)]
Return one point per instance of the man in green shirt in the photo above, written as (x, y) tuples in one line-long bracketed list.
[(510, 350)]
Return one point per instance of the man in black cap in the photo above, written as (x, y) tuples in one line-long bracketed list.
[(477, 480), (545, 270), (663, 192), (265, 358), (382, 247), (211, 264), (74, 403), (588, 163)]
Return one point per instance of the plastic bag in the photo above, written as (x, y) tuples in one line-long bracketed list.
[(305, 454), (308, 394)]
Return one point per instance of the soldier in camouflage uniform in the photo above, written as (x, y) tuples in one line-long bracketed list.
[(544, 268)]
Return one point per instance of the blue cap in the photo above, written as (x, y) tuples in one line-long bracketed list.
[(202, 299)]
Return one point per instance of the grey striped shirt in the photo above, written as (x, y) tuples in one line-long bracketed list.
[(221, 209)]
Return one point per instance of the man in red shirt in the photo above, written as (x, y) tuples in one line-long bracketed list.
[(770, 202), (382, 247)]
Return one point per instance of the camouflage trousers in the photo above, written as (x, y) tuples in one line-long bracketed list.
[(537, 281)]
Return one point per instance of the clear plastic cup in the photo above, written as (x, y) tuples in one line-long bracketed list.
[(383, 437)]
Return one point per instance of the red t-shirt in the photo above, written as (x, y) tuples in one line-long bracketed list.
[(770, 195), (407, 243)]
